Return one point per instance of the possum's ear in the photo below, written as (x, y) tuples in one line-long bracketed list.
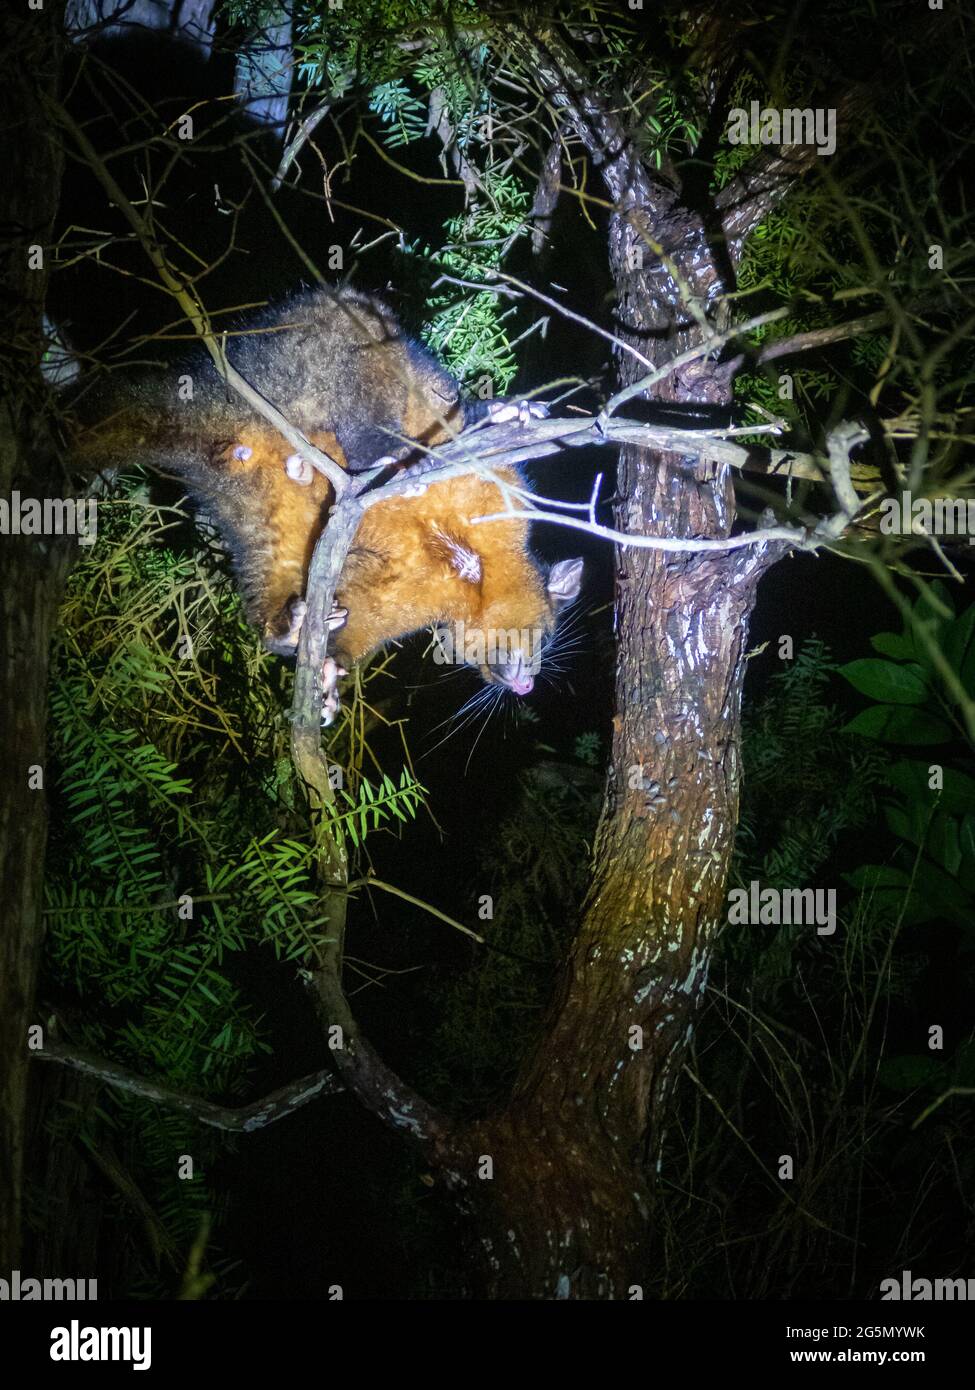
[(564, 582)]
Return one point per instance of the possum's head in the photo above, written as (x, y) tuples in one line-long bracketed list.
[(508, 642)]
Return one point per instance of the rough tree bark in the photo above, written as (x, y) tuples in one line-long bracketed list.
[(31, 568), (565, 1213)]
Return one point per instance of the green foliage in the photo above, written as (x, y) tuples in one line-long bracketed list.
[(930, 806), (468, 330), (853, 236), (929, 672), (179, 840), (806, 786), (404, 89), (403, 113)]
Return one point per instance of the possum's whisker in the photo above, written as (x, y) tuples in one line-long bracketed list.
[(471, 707), (499, 697), (570, 626), (456, 714), (442, 673)]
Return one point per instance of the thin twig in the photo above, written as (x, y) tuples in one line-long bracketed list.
[(306, 129)]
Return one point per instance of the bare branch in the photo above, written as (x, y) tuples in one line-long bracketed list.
[(816, 338), (242, 1119), (305, 130), (685, 544), (749, 198), (520, 288), (486, 448), (360, 1065), (546, 194)]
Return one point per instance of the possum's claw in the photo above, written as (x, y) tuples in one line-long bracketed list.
[(415, 470), (503, 412), (331, 671)]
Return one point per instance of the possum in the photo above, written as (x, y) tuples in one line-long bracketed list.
[(339, 367)]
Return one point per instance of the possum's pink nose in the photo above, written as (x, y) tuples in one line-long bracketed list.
[(522, 684)]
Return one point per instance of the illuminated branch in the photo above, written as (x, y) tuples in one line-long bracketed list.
[(304, 132)]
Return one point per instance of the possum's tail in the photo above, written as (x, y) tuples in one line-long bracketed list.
[(121, 420)]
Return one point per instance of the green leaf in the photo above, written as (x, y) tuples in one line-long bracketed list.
[(872, 876), (899, 645), (908, 1072), (943, 844), (957, 795), (963, 1068), (939, 891), (908, 822), (966, 839), (897, 724), (958, 645), (886, 681)]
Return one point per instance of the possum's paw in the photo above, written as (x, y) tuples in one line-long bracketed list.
[(299, 470), (415, 470), (504, 412), (331, 671), (286, 643)]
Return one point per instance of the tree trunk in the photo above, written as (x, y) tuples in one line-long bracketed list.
[(565, 1210), (31, 567)]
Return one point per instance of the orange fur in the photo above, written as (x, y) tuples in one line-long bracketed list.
[(402, 572), (341, 369)]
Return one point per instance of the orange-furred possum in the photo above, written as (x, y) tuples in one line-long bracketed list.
[(338, 366)]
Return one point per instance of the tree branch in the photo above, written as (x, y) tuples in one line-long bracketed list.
[(360, 1065), (497, 447), (305, 131), (773, 172), (242, 1119)]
